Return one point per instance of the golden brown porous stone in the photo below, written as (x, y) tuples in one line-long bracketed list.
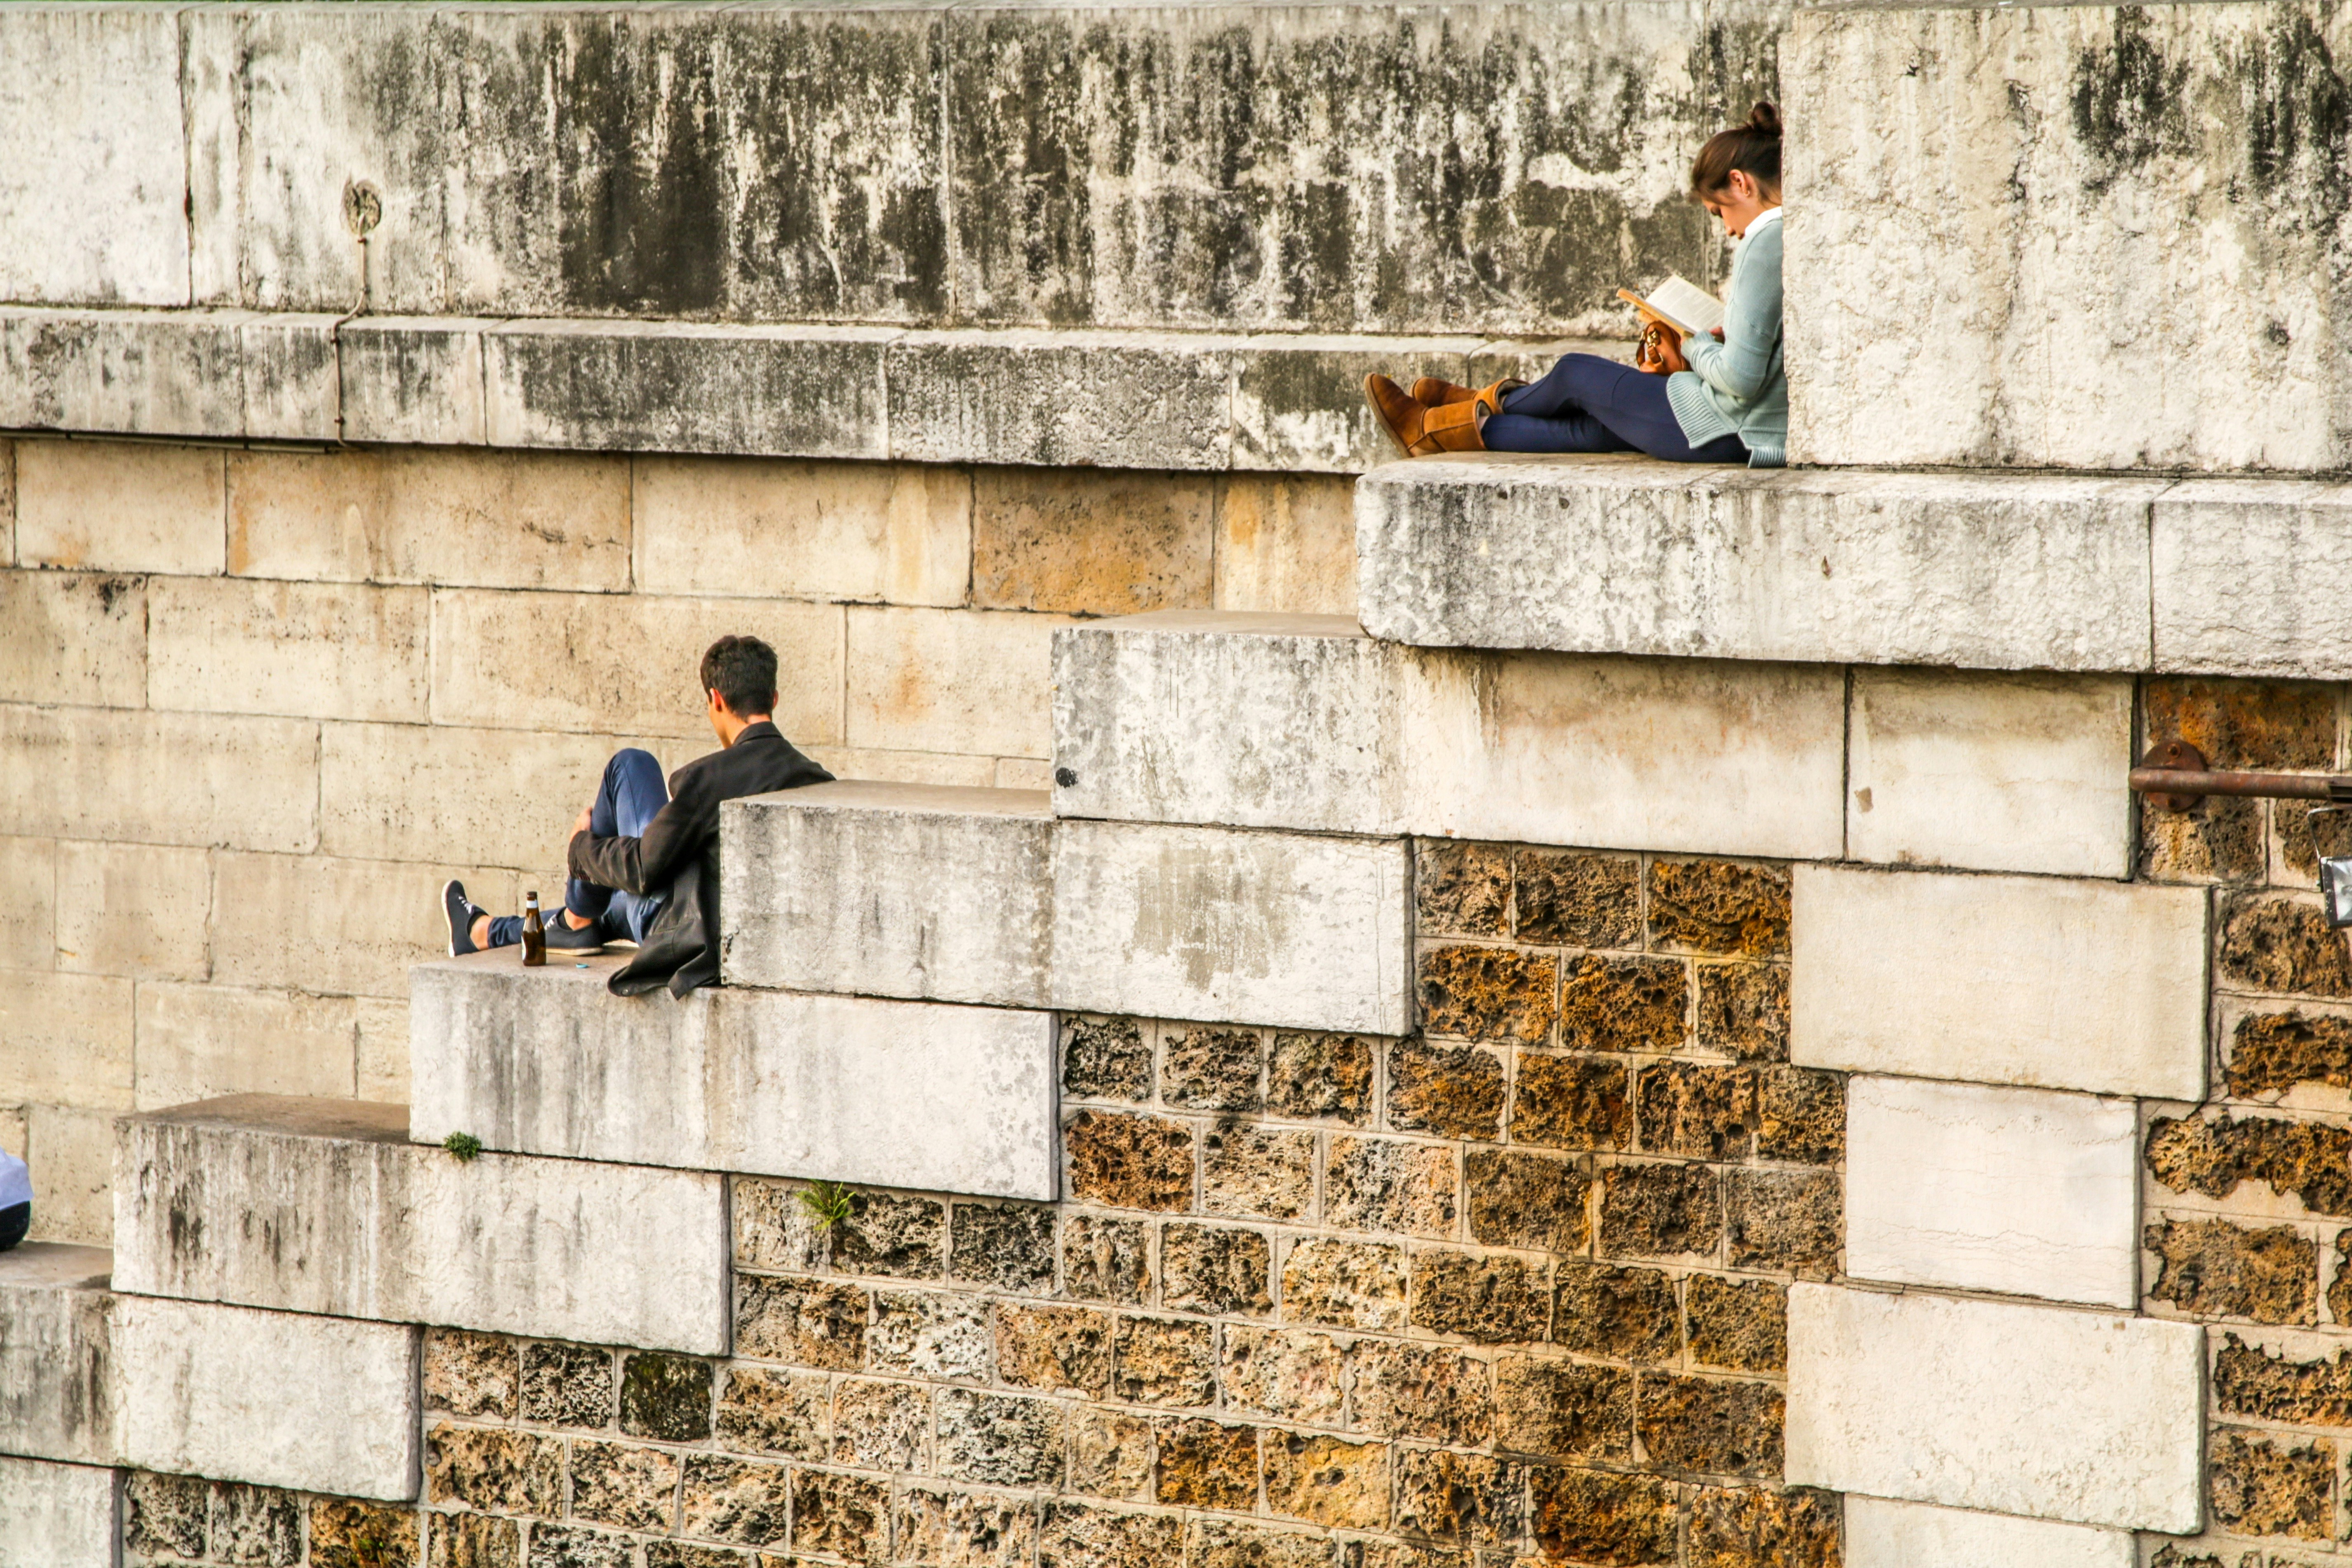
[(1262, 1173), (1326, 1480), (1625, 1314), (1572, 1102), (1699, 1109), (1433, 1392), (1321, 1075), (567, 1385), (1800, 1115), (1567, 898), (1105, 1260), (665, 1397), (1741, 1325), (1215, 1268), (1001, 1440), (1345, 1284), (938, 1524), (1202, 1069), (1714, 906), (1743, 1010), (1487, 1299), (1709, 1425), (1130, 1161), (807, 1321), (2214, 1155), (2260, 1486), (1008, 1245), (881, 1426), (468, 1541), (1230, 1544), (1455, 1090), (1660, 1210), (1110, 1454), (2212, 1268), (471, 1374), (762, 1410), (494, 1470), (1053, 1348), (2339, 1289), (1791, 1220), (1472, 1498), (1742, 1527), (346, 1534), (2266, 1386), (2303, 838), (1597, 1517), (1521, 1199), (1487, 992), (2272, 944), (887, 1234), (1276, 1372), (1080, 1535), (1563, 1409), (2271, 1053), (165, 1516), (1624, 1004), (1165, 1361), (624, 1485), (841, 1516), (1389, 1184), (1106, 1057), (2219, 840), (2246, 723), (1461, 890), (1207, 1464)]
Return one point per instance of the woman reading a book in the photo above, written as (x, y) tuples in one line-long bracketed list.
[(1694, 397)]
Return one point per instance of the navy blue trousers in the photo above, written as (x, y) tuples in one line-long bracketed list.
[(632, 791), (1586, 404)]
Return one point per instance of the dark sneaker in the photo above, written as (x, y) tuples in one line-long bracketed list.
[(562, 938), (462, 915)]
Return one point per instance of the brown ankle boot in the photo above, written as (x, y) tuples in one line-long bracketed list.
[(1453, 429), (1434, 393), (1399, 415)]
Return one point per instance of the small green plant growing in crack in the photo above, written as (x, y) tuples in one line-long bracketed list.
[(464, 1146), (828, 1203), (374, 1551)]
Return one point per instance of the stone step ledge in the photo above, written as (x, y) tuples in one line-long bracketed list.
[(55, 1388), (978, 895), (1098, 398), (1880, 1533), (324, 1206), (1985, 570), (58, 1515), (845, 1089)]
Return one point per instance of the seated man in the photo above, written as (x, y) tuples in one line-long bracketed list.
[(645, 859), (15, 1199)]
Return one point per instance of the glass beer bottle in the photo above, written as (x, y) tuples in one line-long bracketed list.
[(534, 934)]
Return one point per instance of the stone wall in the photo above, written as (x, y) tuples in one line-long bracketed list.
[(257, 704)]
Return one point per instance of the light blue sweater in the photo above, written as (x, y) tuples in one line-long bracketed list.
[(1739, 386)]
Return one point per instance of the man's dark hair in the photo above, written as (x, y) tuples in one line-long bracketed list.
[(742, 670)]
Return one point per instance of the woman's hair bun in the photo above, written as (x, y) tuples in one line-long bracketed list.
[(1764, 119), (1752, 148)]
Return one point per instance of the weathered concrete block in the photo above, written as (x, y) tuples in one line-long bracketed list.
[(2243, 570), (2022, 980), (2016, 1190), (2107, 200), (891, 890), (1120, 400), (1884, 1534), (292, 376), (197, 1042), (66, 1038), (1286, 544), (71, 637), (630, 661), (413, 381), (1298, 402), (949, 680), (1225, 926), (1304, 722), (57, 1516), (315, 922), (2008, 572), (278, 1399), (342, 1215), (140, 911), (225, 373), (114, 506), (2044, 1411), (159, 778), (827, 530), (1991, 772), (897, 1094), (445, 516), (56, 1392), (337, 650)]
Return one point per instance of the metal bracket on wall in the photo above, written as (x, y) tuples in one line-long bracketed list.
[(2174, 777)]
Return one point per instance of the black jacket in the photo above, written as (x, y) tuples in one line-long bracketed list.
[(679, 855)]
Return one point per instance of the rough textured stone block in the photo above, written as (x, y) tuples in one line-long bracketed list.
[(2025, 980), (1883, 1534), (2111, 201), (1090, 541), (1998, 572), (901, 535), (66, 1038), (197, 1042), (223, 374), (1120, 400), (111, 506), (302, 649), (2242, 569), (887, 1093), (948, 681), (2015, 1190), (57, 1516), (411, 380), (360, 1223), (278, 1399), (1991, 772), (73, 638), (2044, 1411), (57, 1388), (159, 778), (891, 890), (1225, 926)]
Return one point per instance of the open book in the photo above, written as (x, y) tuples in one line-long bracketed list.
[(1681, 304)]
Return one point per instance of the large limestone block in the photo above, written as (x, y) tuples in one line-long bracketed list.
[(949, 680), (217, 374), (2049, 1412), (2050, 983), (71, 1152), (116, 506), (850, 1089), (1884, 1534), (901, 535), (56, 1391), (330, 650), (66, 1038), (159, 778), (323, 923), (485, 797), (139, 910), (278, 1399), (2246, 578), (1051, 398), (197, 1042), (2160, 171), (1991, 772), (73, 637), (315, 1205), (2001, 571), (1286, 544), (891, 890), (1233, 927), (2022, 1191), (57, 1516), (1302, 721)]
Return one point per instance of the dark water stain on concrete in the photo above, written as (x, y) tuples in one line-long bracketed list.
[(2130, 103)]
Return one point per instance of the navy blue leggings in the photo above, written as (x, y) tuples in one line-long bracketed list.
[(1586, 404)]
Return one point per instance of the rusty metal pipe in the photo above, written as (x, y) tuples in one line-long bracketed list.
[(2267, 786)]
